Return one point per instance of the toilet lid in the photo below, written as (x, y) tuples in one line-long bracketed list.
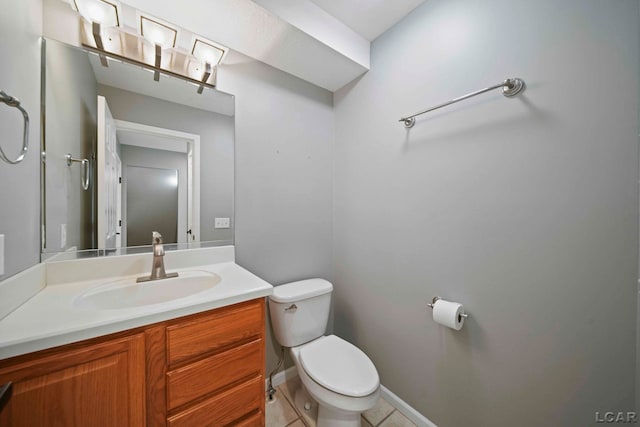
[(339, 366)]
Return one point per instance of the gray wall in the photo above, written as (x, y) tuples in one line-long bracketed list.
[(523, 209), (216, 148), (20, 29), (71, 114), (151, 158), (284, 129)]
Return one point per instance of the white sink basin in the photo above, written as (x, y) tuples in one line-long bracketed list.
[(126, 293)]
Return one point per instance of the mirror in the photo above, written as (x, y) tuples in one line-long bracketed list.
[(125, 154)]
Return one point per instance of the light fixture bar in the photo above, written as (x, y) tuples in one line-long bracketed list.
[(156, 73), (97, 37), (205, 76), (122, 58)]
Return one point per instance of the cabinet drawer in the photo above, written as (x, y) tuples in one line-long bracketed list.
[(222, 328), (255, 420), (205, 376), (225, 408)]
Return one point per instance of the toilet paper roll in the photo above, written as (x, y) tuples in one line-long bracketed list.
[(448, 314)]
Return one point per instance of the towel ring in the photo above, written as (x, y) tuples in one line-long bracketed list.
[(84, 163), (13, 102)]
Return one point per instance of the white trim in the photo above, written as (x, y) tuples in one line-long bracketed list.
[(403, 407), (118, 201), (100, 187), (281, 377), (414, 416), (193, 169)]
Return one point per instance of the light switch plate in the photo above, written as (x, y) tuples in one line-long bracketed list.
[(222, 223), (1, 254)]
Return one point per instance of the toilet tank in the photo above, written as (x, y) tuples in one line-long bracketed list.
[(300, 310)]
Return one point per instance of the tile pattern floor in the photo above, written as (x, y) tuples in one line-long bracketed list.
[(281, 411)]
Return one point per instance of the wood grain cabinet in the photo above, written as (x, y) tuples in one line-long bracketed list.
[(98, 385), (201, 370)]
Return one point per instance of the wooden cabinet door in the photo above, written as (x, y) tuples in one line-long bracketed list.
[(98, 385)]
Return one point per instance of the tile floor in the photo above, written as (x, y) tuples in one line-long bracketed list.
[(282, 413)]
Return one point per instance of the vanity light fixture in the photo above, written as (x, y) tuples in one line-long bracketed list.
[(101, 11), (161, 34), (207, 51), (156, 72), (205, 76), (157, 32), (154, 44), (97, 37)]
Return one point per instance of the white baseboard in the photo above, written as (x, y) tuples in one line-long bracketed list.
[(414, 416), (281, 377), (403, 407)]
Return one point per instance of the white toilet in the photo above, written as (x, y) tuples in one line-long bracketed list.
[(335, 373)]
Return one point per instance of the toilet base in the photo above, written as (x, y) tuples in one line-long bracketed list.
[(306, 406), (329, 417), (316, 415)]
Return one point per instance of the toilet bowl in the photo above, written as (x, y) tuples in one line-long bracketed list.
[(340, 377), (335, 373)]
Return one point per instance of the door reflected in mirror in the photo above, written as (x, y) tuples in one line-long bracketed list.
[(159, 155), (152, 204)]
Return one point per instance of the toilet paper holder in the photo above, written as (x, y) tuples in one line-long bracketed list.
[(465, 315)]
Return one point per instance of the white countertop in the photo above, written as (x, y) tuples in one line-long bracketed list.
[(50, 318)]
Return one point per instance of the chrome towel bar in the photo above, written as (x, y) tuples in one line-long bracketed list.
[(13, 102), (510, 87)]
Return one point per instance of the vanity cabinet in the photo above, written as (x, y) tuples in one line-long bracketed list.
[(205, 369), (96, 385)]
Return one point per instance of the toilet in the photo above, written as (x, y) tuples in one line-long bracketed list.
[(335, 373)]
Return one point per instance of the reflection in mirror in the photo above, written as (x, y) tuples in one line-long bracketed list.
[(156, 148), (152, 204)]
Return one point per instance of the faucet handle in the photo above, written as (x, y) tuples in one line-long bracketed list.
[(156, 238), (158, 249)]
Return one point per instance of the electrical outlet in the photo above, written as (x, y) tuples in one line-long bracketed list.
[(1, 254), (63, 236), (222, 223)]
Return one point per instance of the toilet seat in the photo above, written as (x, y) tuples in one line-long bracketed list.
[(339, 366)]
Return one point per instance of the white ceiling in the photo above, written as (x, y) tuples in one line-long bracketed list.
[(306, 48), (369, 18)]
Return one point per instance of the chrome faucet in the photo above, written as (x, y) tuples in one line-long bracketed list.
[(157, 268)]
